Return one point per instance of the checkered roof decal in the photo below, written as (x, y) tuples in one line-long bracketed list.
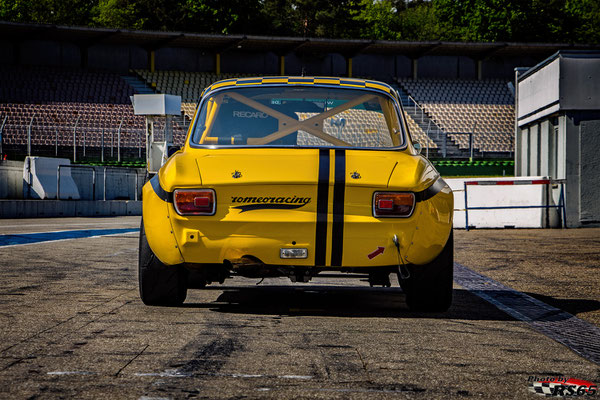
[(302, 80)]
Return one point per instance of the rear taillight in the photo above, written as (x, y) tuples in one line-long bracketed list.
[(393, 204), (194, 201)]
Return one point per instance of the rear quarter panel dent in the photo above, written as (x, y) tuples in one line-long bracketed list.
[(157, 224), (433, 228)]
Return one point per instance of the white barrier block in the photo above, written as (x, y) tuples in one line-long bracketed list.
[(499, 196), (39, 179)]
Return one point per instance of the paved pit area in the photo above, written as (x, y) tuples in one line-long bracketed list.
[(72, 325)]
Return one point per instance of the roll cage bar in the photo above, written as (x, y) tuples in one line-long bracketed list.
[(288, 125)]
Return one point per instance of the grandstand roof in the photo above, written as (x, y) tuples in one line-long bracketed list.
[(151, 40)]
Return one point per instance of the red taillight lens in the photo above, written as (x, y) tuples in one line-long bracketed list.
[(393, 204), (194, 201)]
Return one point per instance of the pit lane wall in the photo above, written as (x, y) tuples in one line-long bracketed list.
[(18, 199), (120, 187), (505, 195)]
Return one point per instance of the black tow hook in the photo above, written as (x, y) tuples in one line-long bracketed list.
[(403, 272)]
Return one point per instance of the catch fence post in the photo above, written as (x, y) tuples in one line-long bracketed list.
[(466, 208), (119, 140), (29, 135), (75, 139), (1, 136), (104, 185)]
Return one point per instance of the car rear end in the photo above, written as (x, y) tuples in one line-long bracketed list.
[(294, 179)]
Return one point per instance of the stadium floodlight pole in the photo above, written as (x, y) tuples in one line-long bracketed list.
[(75, 138), (29, 135)]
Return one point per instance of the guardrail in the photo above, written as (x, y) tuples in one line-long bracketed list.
[(80, 167), (561, 199)]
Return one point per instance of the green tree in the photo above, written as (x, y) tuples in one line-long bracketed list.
[(118, 14), (64, 12), (377, 20), (582, 21), (224, 16), (519, 21)]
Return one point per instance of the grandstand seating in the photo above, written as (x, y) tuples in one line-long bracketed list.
[(58, 99), (57, 120), (482, 107), (189, 85), (54, 84)]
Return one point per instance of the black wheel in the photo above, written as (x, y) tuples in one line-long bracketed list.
[(429, 287), (160, 284)]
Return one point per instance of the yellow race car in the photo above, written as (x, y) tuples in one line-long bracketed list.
[(294, 176)]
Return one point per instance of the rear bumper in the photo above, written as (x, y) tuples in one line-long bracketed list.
[(367, 241)]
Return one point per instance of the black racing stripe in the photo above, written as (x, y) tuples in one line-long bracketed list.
[(160, 192), (322, 202), (339, 187), (431, 190)]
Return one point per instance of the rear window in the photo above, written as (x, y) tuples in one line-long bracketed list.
[(299, 117)]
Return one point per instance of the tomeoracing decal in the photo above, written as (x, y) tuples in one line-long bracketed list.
[(251, 203)]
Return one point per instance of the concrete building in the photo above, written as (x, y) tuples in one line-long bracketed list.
[(558, 129)]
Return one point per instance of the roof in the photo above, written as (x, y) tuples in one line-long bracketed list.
[(559, 54), (303, 80), (152, 40)]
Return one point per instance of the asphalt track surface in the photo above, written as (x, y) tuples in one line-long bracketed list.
[(72, 324)]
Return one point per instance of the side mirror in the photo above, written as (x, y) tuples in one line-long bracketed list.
[(417, 147), (172, 150)]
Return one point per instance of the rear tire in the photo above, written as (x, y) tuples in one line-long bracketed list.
[(429, 287), (160, 284)]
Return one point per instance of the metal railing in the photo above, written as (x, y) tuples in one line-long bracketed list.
[(432, 125), (71, 136), (79, 167), (416, 106), (471, 146), (81, 137)]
